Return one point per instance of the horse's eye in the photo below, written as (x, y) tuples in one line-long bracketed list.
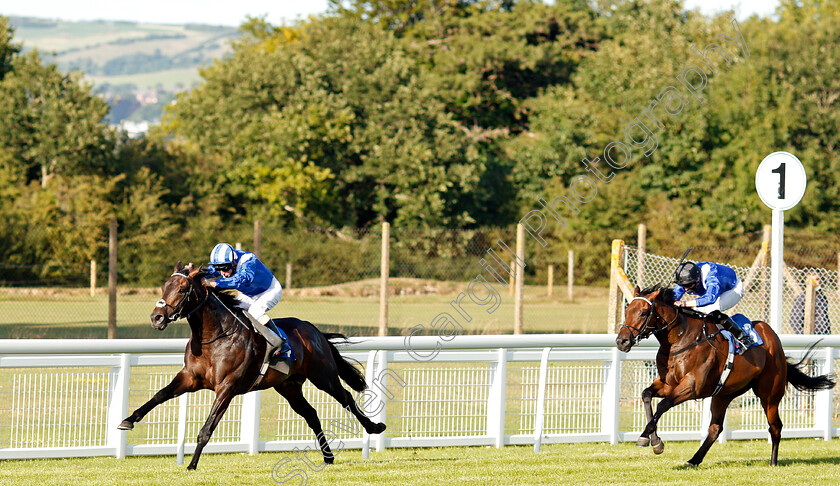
[(644, 313), (182, 291)]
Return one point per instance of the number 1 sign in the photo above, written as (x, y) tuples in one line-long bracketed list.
[(780, 180)]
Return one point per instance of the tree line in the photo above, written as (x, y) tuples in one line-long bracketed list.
[(430, 114)]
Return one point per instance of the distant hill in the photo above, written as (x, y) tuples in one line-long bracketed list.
[(108, 52)]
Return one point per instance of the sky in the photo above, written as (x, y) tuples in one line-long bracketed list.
[(232, 13)]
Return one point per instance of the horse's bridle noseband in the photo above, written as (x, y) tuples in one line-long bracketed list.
[(176, 315), (647, 329)]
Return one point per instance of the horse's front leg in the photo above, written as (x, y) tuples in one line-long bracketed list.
[(685, 390), (224, 395), (657, 389), (182, 383)]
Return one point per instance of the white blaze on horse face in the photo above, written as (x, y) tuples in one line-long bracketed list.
[(160, 303)]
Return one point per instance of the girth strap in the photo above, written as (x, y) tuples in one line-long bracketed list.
[(730, 360)]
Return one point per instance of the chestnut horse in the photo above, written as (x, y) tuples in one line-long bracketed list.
[(224, 354), (691, 358)]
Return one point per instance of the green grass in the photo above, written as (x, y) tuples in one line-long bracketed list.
[(74, 315), (804, 461)]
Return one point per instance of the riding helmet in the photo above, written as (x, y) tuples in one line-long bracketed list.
[(687, 274), (222, 254)]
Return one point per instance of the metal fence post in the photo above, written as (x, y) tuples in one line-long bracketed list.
[(383, 395), (118, 405), (496, 399), (825, 399), (249, 423), (611, 396), (539, 421), (370, 374), (183, 401)]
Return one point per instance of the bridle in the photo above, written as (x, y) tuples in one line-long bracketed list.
[(178, 308), (648, 329)]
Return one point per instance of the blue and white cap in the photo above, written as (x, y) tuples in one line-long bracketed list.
[(222, 254)]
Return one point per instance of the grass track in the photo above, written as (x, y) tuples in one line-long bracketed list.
[(804, 461)]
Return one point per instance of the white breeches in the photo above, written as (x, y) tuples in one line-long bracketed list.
[(726, 301), (259, 304)]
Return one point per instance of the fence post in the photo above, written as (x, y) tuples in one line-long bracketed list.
[(611, 397), (520, 280), (640, 264), (542, 384), (616, 297), (550, 279), (382, 386), (183, 402), (571, 275), (370, 374), (288, 275), (238, 246), (118, 405), (257, 237), (249, 424), (825, 399), (496, 399), (810, 307), (112, 279), (511, 284), (383, 279), (92, 278)]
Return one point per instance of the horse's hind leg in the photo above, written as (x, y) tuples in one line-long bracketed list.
[(182, 383), (653, 390), (293, 393), (771, 409), (333, 387), (719, 405)]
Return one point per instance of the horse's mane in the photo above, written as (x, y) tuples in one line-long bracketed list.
[(666, 294), (225, 296)]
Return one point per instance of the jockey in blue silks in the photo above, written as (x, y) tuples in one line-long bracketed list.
[(259, 290), (718, 289)]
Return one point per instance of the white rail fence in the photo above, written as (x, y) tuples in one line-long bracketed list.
[(64, 398)]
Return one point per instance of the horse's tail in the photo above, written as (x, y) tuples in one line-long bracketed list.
[(802, 381), (349, 373)]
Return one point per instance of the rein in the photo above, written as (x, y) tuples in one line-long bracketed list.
[(636, 338), (177, 310), (699, 340)]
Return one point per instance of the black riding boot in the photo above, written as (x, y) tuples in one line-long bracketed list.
[(728, 324)]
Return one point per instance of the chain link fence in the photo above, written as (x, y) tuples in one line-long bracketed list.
[(645, 269)]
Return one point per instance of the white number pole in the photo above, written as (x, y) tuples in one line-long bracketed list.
[(780, 181), (777, 280)]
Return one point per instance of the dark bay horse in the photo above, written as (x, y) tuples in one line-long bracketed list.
[(692, 355), (224, 354)]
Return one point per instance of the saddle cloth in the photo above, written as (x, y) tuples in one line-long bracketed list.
[(286, 347), (746, 325)]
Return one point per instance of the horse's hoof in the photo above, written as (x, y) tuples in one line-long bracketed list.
[(659, 448), (329, 459), (125, 425), (377, 428), (192, 467), (689, 464), (643, 442)]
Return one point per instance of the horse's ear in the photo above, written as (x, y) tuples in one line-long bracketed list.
[(178, 266), (192, 270), (636, 291)]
